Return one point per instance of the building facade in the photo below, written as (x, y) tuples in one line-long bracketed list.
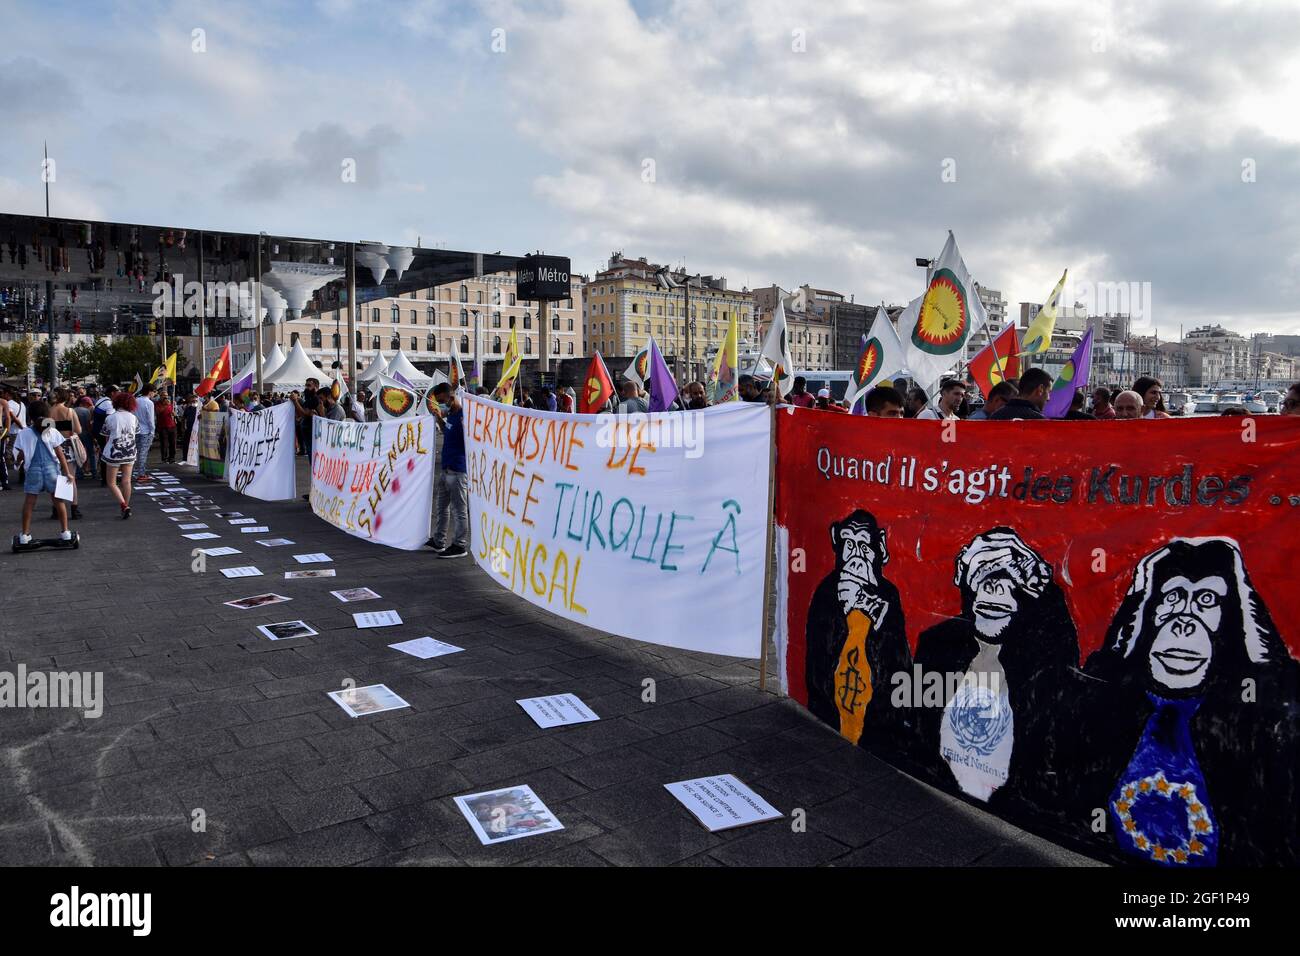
[(470, 318), (632, 299)]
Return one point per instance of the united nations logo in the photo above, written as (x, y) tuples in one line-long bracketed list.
[(979, 719)]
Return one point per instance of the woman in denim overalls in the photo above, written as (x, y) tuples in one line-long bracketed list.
[(44, 459)]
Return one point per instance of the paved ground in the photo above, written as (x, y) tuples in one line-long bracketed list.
[(203, 712)]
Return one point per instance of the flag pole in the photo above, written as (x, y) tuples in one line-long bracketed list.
[(769, 558)]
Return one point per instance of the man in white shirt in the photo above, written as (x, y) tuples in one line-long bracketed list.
[(951, 394), (144, 416)]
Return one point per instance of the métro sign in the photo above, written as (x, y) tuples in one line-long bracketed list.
[(543, 278)]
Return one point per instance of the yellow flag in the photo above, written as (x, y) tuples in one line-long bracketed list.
[(505, 390), (724, 376), (1038, 337), (170, 373)]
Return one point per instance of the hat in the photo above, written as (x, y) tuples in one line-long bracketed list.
[(824, 393)]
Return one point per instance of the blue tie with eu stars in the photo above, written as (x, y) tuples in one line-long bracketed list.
[(1160, 808)]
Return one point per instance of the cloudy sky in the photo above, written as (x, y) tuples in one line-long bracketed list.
[(1147, 143)]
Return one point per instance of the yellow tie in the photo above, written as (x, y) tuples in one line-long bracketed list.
[(853, 677)]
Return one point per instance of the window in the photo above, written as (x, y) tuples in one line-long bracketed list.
[(496, 345), (374, 315), (315, 338), (528, 345), (431, 343), (464, 293), (415, 318), (512, 321), (415, 344), (396, 343), (464, 344), (570, 325), (293, 339), (496, 320), (555, 322), (659, 310), (335, 341), (634, 308), (397, 316), (512, 298), (634, 327), (528, 320), (374, 343), (464, 318), (570, 347), (555, 346), (358, 339), (479, 296), (430, 317)]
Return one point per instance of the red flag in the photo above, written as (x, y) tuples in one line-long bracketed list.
[(597, 387), (220, 372), (997, 361)]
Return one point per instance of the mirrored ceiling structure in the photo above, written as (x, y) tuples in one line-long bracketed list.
[(129, 278)]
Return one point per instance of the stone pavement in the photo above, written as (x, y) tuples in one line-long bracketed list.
[(202, 712)]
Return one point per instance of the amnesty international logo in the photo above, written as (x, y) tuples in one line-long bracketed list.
[(944, 322)]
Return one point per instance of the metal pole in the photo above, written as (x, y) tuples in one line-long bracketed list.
[(203, 319), (687, 289), (49, 312), (257, 313), (352, 314), (544, 339)]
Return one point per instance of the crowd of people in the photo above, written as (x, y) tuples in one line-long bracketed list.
[(87, 433)]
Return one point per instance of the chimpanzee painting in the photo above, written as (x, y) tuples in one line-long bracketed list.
[(855, 639), (1003, 663), (1196, 732)]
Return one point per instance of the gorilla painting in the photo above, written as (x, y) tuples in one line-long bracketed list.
[(1194, 735), (855, 637), (1003, 663)]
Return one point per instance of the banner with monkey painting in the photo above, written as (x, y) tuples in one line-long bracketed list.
[(1089, 627)]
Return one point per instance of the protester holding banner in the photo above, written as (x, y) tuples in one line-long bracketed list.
[(1153, 397), (951, 394), (1035, 386), (451, 505)]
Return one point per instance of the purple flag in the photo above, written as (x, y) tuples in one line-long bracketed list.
[(663, 390), (1074, 376), (243, 385)]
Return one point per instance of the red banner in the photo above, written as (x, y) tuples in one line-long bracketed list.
[(1093, 624)]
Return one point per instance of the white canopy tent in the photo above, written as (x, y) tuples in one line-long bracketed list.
[(274, 359), (374, 369), (295, 371), (401, 365)]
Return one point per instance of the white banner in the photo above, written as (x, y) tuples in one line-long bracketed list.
[(259, 453), (653, 527), (375, 479)]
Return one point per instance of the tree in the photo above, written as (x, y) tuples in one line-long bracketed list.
[(16, 358), (131, 355), (82, 361)]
